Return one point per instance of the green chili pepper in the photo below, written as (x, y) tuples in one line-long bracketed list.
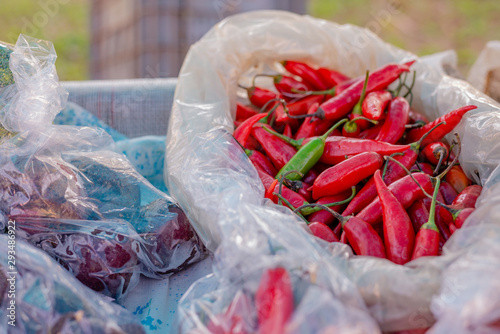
[(308, 155)]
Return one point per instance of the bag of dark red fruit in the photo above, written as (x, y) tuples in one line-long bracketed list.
[(71, 195)]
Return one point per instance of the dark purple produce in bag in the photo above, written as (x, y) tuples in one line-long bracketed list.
[(75, 198)]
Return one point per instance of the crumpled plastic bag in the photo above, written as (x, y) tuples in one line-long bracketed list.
[(75, 198), (485, 72), (326, 301), (47, 299), (210, 178)]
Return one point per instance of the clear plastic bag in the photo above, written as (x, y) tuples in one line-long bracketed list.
[(209, 177), (325, 299), (47, 299), (75, 198)]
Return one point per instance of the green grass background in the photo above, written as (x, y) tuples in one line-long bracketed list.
[(66, 27), (420, 26)]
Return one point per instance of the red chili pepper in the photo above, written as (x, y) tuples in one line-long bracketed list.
[(343, 239), (394, 172), (399, 236), (449, 193), (453, 228), (288, 86), (242, 133), (244, 112), (467, 197), (405, 190), (346, 174), (462, 216), (322, 231), (339, 105), (440, 222), (434, 151), (306, 72), (361, 236), (418, 213), (427, 241), (259, 159), (394, 124), (308, 127), (452, 119), (424, 167), (324, 216), (278, 151), (375, 103), (282, 118), (260, 96), (288, 131), (302, 106), (274, 301), (346, 84), (457, 178), (371, 133), (330, 77), (445, 214), (269, 192), (337, 148)]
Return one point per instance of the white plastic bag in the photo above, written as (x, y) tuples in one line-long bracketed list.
[(485, 72), (218, 187)]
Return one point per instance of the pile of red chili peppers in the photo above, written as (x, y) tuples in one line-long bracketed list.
[(353, 159)]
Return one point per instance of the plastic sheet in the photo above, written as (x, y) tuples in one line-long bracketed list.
[(75, 198), (485, 72), (49, 300), (218, 187), (325, 298)]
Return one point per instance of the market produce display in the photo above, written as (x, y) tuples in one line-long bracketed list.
[(72, 196), (48, 299), (222, 190), (344, 140)]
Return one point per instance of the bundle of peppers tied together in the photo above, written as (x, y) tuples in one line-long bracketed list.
[(353, 160)]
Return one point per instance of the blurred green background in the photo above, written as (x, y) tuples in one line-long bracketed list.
[(423, 27)]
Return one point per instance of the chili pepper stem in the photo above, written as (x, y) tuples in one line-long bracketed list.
[(387, 162), (417, 124), (431, 223), (306, 212), (291, 207), (295, 143), (454, 161), (320, 113), (341, 218), (407, 172), (335, 126), (410, 89), (357, 107), (416, 145), (442, 153), (436, 179)]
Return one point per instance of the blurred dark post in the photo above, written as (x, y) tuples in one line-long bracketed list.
[(149, 38)]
